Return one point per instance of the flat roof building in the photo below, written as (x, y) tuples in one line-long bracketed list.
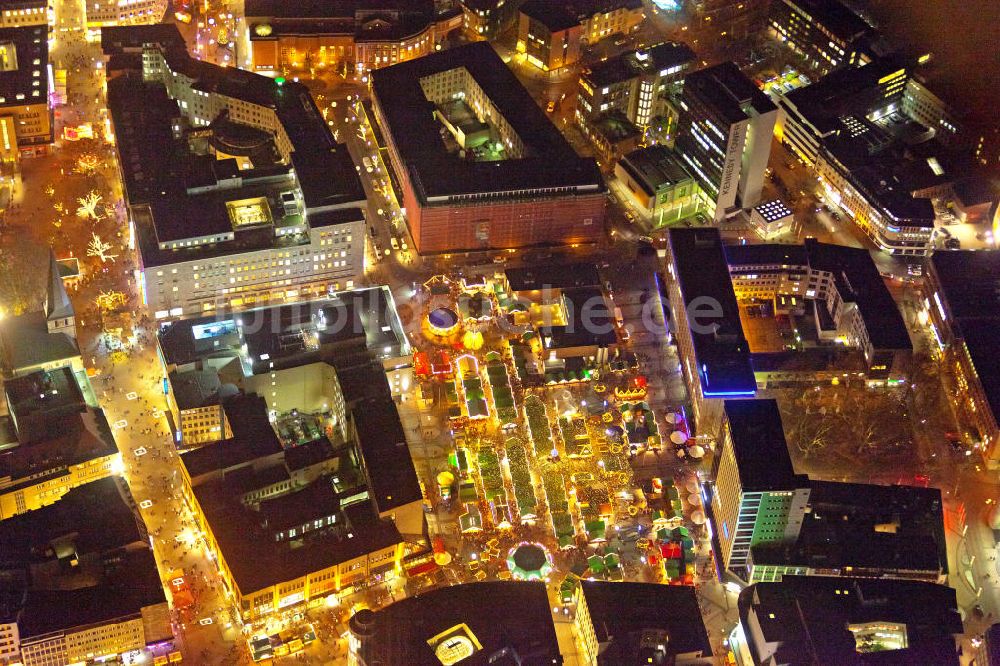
[(854, 306), (808, 620), (771, 218), (475, 623), (849, 125), (862, 530), (26, 120), (724, 136), (226, 173), (640, 623), (826, 33), (963, 302), (655, 177), (549, 34), (635, 83), (206, 359), (80, 581), (769, 522), (306, 487), (299, 35), (756, 497), (715, 356), (821, 109), (525, 186), (290, 521)]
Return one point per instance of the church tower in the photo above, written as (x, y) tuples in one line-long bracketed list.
[(59, 314)]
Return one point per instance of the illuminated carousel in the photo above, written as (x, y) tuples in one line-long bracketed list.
[(529, 561), (442, 326)]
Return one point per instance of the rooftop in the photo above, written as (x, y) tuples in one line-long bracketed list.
[(858, 280), (553, 15), (24, 59), (846, 91), (662, 59), (25, 342), (590, 321), (157, 160), (970, 282), (70, 437), (96, 517), (253, 438), (374, 20), (392, 479), (773, 210), (517, 618), (292, 335), (868, 527), (727, 92), (38, 400), (808, 619), (622, 612), (970, 294), (552, 276), (199, 388), (835, 16), (855, 275), (888, 175), (437, 175), (721, 348), (654, 167), (767, 254), (760, 448), (86, 558), (258, 560)]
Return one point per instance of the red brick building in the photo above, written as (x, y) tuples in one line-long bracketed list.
[(494, 174)]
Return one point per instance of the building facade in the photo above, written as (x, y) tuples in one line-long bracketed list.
[(40, 358), (827, 34), (485, 20), (548, 35), (104, 13), (713, 350), (354, 36), (845, 282), (748, 507), (59, 615), (127, 634), (891, 217), (289, 228), (601, 19), (724, 136), (961, 302), (538, 191), (636, 84), (24, 79), (22, 13), (771, 219), (657, 181)]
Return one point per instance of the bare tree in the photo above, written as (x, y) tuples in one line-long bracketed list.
[(100, 249), (88, 206)]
